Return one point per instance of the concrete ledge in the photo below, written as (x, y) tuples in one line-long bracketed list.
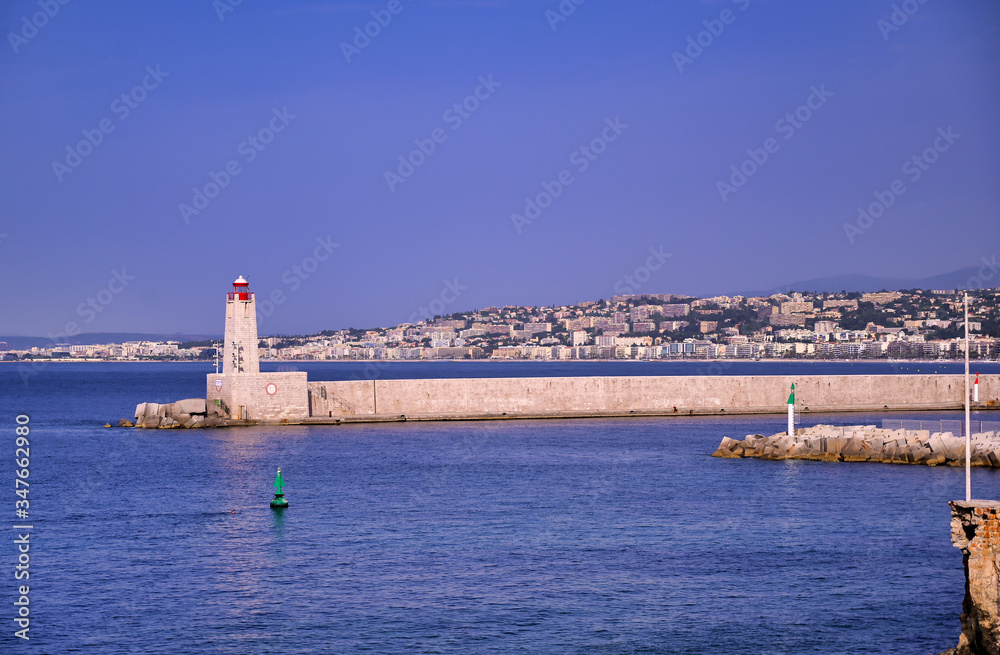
[(543, 397), (972, 504), (681, 411)]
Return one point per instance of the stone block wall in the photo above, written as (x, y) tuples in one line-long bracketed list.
[(664, 395), (975, 529), (351, 398), (268, 397), (296, 398)]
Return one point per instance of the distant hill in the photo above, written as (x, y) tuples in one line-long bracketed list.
[(90, 338), (866, 283)]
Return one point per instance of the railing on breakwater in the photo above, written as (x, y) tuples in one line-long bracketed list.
[(956, 427)]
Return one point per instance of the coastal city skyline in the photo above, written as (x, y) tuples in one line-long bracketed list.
[(911, 324), (353, 156)]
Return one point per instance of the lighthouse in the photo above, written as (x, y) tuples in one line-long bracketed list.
[(239, 391), (239, 353)]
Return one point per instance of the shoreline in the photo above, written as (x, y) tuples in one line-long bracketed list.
[(73, 360)]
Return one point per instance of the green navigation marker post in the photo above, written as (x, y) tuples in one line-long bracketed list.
[(279, 502), (791, 411)]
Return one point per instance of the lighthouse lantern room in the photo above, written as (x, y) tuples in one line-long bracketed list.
[(241, 290)]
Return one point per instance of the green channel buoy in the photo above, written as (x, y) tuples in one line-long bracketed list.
[(279, 502)]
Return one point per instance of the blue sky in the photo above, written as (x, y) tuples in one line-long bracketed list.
[(97, 235)]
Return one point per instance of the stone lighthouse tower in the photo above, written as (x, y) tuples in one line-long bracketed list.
[(239, 391), (239, 354)]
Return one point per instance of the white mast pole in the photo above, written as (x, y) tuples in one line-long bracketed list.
[(968, 422)]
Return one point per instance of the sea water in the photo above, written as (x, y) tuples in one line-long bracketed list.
[(548, 536)]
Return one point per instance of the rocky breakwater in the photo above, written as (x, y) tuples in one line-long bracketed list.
[(188, 413), (866, 443), (975, 529)]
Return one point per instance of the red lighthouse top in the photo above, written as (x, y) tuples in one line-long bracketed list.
[(241, 290)]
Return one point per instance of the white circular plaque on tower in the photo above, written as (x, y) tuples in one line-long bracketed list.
[(271, 388)]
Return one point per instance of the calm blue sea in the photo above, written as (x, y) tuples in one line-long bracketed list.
[(554, 536)]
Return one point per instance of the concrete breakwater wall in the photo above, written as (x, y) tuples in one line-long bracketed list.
[(289, 398), (481, 398), (867, 443)]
